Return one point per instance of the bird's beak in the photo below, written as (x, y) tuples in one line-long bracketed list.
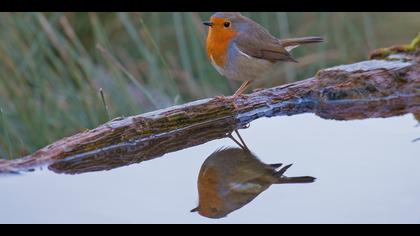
[(208, 23), (194, 210)]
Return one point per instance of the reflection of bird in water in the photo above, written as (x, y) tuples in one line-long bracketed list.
[(232, 177)]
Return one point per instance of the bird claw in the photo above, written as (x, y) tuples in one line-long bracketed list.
[(240, 96), (221, 97), (231, 99)]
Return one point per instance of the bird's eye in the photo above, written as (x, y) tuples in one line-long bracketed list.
[(226, 24)]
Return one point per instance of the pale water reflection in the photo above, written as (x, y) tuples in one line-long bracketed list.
[(367, 172), (231, 177)]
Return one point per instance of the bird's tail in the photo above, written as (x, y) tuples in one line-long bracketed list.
[(281, 179), (292, 43), (296, 180)]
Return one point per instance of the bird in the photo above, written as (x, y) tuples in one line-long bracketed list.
[(231, 177), (241, 49)]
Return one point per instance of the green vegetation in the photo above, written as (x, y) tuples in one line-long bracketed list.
[(415, 43), (383, 53), (61, 73)]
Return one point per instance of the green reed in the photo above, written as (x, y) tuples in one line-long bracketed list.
[(52, 65)]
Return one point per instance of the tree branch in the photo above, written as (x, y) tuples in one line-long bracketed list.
[(386, 85)]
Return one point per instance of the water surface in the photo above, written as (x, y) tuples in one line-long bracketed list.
[(366, 172)]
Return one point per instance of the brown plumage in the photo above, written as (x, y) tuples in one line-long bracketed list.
[(232, 177), (241, 49)]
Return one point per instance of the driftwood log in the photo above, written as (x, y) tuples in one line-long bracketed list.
[(388, 84)]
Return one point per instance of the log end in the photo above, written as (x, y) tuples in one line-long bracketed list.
[(385, 53)]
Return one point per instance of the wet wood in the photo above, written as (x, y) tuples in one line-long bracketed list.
[(386, 85)]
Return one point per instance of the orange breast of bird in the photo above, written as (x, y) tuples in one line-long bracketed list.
[(218, 40), (208, 188)]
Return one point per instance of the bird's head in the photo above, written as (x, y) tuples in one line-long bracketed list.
[(225, 24)]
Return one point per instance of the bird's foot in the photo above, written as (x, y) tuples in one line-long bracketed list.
[(236, 96), (221, 98), (226, 99)]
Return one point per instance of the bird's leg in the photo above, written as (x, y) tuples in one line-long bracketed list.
[(236, 141), (241, 89), (241, 143), (238, 93)]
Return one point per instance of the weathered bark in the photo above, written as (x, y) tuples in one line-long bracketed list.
[(373, 88)]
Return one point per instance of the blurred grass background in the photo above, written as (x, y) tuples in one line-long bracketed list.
[(53, 65)]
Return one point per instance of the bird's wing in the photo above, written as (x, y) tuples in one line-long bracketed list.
[(261, 44)]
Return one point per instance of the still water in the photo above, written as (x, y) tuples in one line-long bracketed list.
[(367, 171)]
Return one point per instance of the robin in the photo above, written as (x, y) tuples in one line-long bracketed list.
[(232, 177), (241, 49)]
